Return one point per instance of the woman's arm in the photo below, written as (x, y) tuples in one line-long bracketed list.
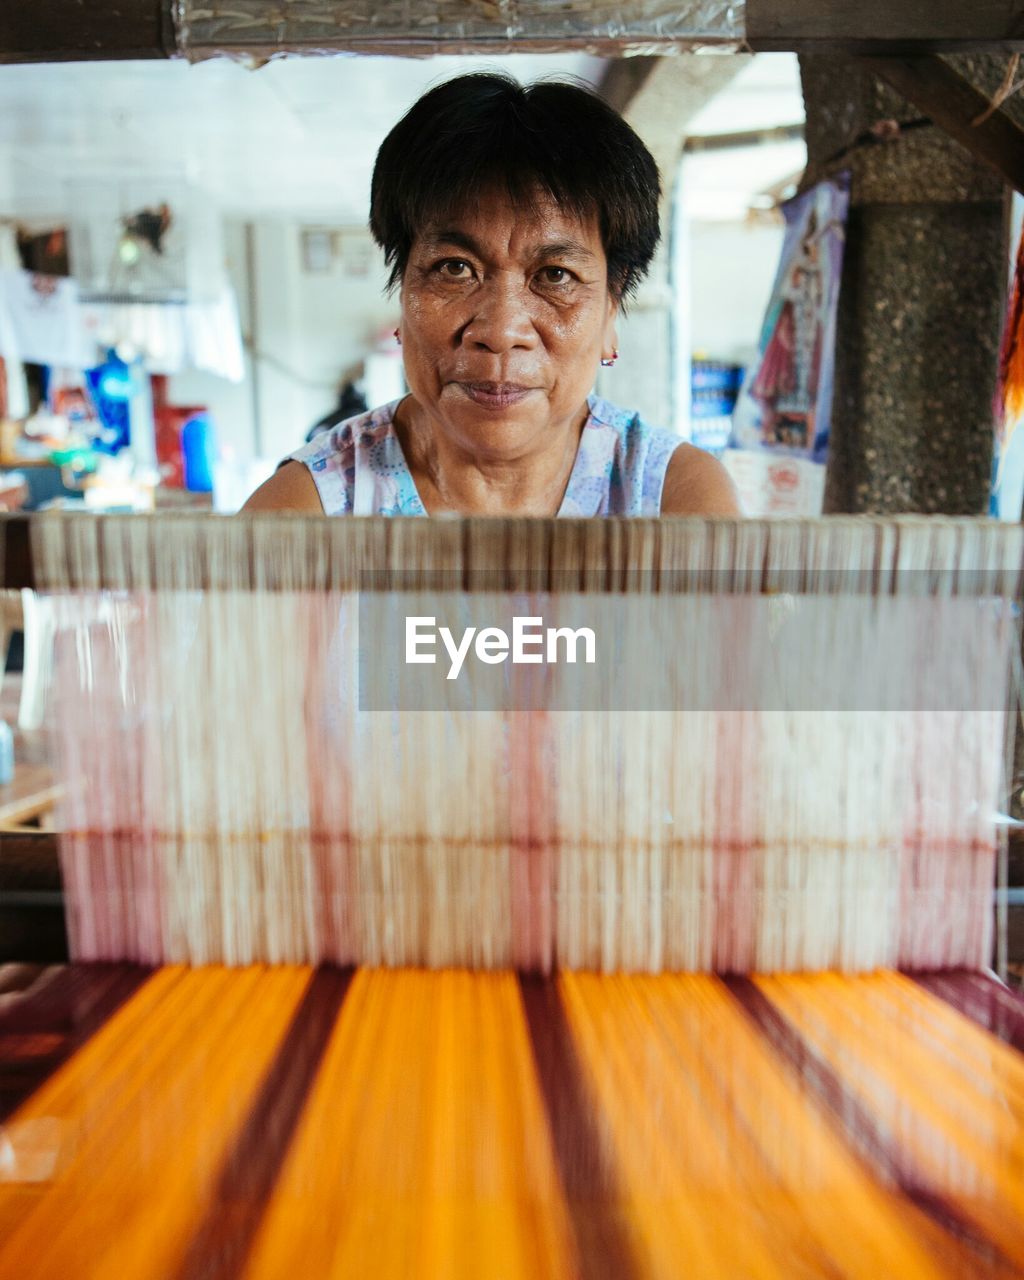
[(696, 484), (291, 488)]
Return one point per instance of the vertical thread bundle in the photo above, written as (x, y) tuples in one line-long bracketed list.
[(794, 766)]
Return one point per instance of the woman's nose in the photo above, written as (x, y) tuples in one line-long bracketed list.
[(502, 318)]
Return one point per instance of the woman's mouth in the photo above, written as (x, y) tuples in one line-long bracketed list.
[(495, 395)]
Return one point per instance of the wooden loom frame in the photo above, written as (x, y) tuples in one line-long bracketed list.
[(68, 31), (891, 36), (30, 879)]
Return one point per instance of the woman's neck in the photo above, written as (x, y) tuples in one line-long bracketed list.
[(449, 479)]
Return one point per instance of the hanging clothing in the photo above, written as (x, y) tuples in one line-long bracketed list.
[(42, 320)]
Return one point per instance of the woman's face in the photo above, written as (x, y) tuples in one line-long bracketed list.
[(505, 315)]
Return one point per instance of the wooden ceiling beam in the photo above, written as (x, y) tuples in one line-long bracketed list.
[(954, 104), (885, 26), (84, 30), (87, 30)]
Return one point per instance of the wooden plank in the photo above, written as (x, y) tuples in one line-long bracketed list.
[(1015, 930), (1016, 858), (31, 900), (73, 31), (32, 932), (885, 26), (17, 553), (743, 138), (623, 79), (953, 103), (32, 792), (29, 864), (84, 30)]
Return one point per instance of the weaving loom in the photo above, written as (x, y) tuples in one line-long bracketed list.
[(564, 973)]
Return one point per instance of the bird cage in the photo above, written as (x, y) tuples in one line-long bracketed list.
[(145, 242)]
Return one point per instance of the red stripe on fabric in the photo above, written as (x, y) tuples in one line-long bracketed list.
[(588, 1178), (532, 859), (982, 999), (329, 747), (870, 1140), (736, 847), (41, 1028), (220, 1247)]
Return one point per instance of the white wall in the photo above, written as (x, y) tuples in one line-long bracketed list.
[(731, 269), (311, 330)]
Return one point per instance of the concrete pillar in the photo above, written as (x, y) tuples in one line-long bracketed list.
[(920, 307)]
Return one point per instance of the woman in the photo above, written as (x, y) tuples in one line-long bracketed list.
[(516, 222)]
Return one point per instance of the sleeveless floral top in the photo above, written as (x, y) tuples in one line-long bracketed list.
[(359, 468)]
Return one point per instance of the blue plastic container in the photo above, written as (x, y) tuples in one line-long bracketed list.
[(198, 448), (6, 753)]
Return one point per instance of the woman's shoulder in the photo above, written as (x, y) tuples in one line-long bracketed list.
[(636, 441), (697, 484), (343, 437), (606, 414), (674, 476), (320, 476), (629, 425)]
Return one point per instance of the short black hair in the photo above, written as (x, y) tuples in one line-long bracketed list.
[(486, 129)]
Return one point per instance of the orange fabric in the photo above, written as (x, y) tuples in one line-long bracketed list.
[(423, 1149), (428, 1143), (952, 1096), (725, 1162), (135, 1127)]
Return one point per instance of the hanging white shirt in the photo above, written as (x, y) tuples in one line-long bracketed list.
[(45, 320)]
